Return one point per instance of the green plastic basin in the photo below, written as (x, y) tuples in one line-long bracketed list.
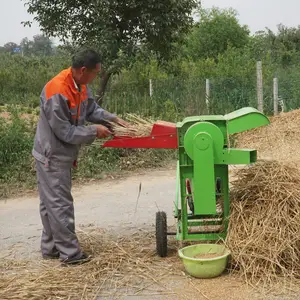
[(204, 260)]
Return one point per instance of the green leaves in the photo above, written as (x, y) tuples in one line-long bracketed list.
[(41, 45), (116, 28), (283, 47), (119, 29), (217, 30)]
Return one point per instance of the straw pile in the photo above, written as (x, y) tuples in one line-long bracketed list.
[(264, 231), (278, 141), (121, 266)]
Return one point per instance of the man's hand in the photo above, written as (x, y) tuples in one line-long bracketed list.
[(121, 122), (103, 132)]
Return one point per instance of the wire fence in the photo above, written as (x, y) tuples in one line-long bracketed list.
[(170, 96), (185, 97), (22, 80)]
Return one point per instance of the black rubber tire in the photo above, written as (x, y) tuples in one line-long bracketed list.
[(161, 234)]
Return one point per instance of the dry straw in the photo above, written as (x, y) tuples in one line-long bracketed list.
[(278, 141), (121, 266), (264, 231), (138, 126)]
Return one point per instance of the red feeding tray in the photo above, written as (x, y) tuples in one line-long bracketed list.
[(163, 135)]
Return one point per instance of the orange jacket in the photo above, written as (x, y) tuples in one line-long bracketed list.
[(64, 110)]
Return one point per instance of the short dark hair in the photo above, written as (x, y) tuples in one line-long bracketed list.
[(86, 58)]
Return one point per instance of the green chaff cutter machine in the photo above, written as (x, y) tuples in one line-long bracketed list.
[(202, 206)]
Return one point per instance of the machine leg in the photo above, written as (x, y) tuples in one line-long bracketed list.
[(161, 234)]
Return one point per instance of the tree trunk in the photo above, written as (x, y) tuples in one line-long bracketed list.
[(103, 84)]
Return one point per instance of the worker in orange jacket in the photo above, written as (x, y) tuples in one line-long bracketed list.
[(66, 103)]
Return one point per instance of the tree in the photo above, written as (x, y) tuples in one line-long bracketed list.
[(26, 46), (116, 28), (9, 47), (283, 46), (216, 30), (41, 45)]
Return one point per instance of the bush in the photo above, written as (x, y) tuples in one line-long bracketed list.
[(16, 141)]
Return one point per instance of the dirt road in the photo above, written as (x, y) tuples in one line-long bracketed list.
[(111, 205), (108, 204)]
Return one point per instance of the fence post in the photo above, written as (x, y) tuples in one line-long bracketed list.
[(150, 87), (275, 94), (207, 94), (260, 97)]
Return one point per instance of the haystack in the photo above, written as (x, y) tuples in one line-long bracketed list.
[(278, 141), (264, 231)]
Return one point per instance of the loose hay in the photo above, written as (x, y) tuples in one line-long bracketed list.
[(264, 230), (278, 141), (138, 126), (121, 266)]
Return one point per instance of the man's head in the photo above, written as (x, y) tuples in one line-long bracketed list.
[(86, 64)]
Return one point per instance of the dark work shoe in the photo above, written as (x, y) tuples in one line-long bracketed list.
[(53, 256), (84, 258)]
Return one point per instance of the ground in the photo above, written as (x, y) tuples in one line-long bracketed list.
[(112, 204)]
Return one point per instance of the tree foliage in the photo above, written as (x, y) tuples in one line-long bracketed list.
[(41, 45), (216, 30), (115, 27), (283, 47), (9, 47)]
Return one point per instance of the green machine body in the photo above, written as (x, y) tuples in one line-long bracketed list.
[(202, 205)]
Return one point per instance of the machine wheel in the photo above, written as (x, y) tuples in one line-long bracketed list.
[(161, 234)]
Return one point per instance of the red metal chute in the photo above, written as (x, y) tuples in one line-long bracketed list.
[(163, 135)]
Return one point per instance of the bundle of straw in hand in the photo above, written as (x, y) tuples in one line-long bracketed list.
[(137, 127)]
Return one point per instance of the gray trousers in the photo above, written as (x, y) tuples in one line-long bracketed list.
[(57, 212)]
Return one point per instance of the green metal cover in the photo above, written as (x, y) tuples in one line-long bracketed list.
[(245, 119), (196, 119)]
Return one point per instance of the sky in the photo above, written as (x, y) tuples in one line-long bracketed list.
[(257, 14)]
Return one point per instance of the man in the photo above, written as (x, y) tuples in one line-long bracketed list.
[(66, 103)]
